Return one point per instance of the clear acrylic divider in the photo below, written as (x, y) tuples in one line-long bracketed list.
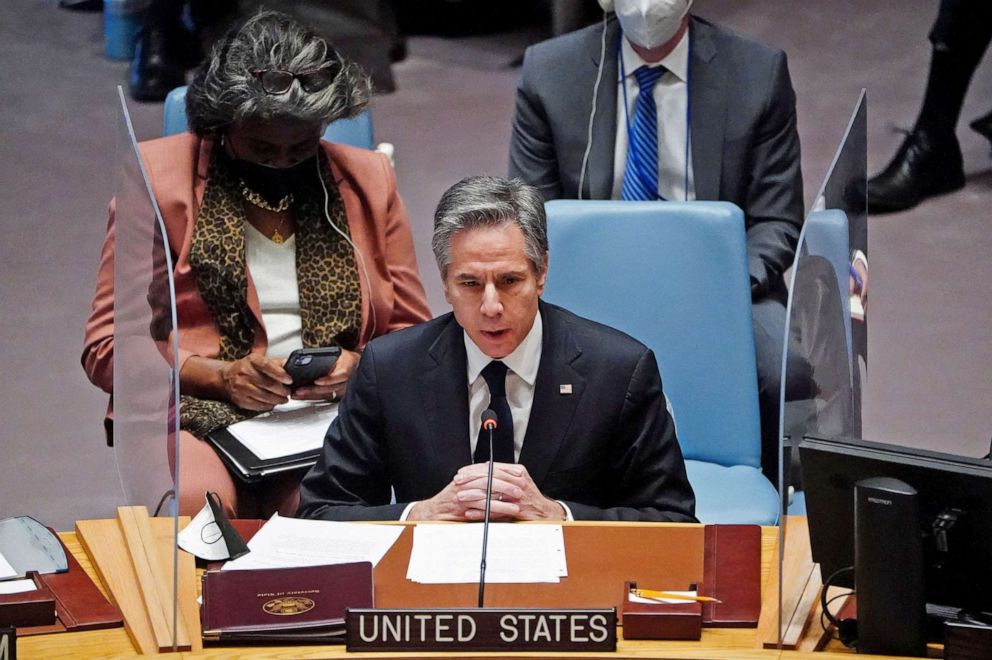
[(826, 348), (146, 387)]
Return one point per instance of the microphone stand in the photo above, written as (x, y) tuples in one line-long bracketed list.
[(489, 422)]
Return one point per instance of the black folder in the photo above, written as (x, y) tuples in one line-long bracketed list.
[(248, 467)]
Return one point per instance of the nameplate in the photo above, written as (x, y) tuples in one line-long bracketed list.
[(481, 630)]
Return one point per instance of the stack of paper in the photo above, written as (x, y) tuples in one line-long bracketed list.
[(290, 542), (445, 554)]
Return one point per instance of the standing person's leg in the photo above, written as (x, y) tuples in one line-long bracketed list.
[(929, 161), (162, 52)]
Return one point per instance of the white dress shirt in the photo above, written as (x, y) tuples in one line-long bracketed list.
[(521, 376), (671, 96)]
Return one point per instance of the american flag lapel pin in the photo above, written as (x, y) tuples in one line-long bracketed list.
[(565, 388)]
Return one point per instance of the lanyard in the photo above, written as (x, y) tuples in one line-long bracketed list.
[(688, 112)]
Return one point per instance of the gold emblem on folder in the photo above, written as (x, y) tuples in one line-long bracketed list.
[(288, 606)]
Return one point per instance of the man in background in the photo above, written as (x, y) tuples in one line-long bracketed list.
[(657, 104)]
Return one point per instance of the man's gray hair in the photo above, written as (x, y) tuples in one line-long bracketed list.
[(225, 92), (489, 201)]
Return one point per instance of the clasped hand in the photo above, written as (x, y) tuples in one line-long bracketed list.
[(515, 497), (257, 382)]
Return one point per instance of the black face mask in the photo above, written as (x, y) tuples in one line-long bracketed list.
[(274, 183)]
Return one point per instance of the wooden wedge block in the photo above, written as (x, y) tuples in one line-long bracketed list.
[(797, 570), (801, 618), (103, 542), (154, 575)]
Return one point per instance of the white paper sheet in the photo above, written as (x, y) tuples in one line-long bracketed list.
[(634, 598), (291, 428), (446, 554), (288, 542), (17, 587), (6, 570)]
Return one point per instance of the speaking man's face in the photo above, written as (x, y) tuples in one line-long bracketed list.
[(493, 287)]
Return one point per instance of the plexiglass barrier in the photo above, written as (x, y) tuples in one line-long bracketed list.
[(145, 350), (826, 353)]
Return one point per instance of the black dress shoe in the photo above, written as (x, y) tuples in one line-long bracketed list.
[(923, 166), (983, 126), (158, 66)]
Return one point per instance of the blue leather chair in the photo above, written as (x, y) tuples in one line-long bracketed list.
[(674, 275), (356, 131)]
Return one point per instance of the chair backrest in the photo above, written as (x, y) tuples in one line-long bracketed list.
[(674, 276), (356, 131)]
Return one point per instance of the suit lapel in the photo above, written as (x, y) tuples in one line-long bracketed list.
[(599, 176), (552, 411), (445, 398), (708, 99)]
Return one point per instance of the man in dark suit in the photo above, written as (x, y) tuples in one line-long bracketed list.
[(582, 432), (721, 126)]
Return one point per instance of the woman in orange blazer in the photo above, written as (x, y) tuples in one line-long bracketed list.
[(280, 240)]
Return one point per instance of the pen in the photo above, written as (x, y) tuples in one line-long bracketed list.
[(855, 275), (650, 593)]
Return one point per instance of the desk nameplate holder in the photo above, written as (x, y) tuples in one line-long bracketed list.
[(475, 629)]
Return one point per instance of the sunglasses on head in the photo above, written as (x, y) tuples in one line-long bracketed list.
[(276, 81)]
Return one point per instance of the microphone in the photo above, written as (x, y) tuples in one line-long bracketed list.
[(489, 424)]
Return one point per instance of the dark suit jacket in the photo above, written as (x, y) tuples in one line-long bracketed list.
[(608, 449), (745, 147)]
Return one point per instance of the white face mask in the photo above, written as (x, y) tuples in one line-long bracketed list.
[(651, 23)]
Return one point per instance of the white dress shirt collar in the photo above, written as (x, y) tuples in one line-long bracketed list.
[(523, 361), (676, 62)]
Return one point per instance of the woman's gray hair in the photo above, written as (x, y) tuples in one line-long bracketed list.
[(489, 201), (225, 92)]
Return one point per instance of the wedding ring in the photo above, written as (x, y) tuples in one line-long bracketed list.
[(334, 395), (499, 497)]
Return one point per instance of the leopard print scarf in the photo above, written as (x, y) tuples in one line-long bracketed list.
[(326, 272)]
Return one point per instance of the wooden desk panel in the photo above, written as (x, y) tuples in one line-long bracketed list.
[(659, 556), (730, 643)]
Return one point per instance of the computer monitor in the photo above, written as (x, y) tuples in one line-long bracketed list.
[(955, 513)]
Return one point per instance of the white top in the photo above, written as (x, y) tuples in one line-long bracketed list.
[(273, 270), (671, 96), (521, 376)]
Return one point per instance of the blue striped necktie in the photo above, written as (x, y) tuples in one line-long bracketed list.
[(640, 177)]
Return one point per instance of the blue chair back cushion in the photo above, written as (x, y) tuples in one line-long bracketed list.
[(674, 276)]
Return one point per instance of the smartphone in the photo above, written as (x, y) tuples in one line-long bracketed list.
[(306, 365)]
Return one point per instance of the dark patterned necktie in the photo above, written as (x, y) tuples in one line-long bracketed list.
[(640, 176), (495, 375)]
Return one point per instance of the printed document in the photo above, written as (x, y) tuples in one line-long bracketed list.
[(290, 542), (291, 428), (445, 554)]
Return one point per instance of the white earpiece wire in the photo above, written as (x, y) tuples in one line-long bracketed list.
[(592, 110), (358, 253)]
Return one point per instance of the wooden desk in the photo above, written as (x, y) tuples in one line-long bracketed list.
[(737, 643)]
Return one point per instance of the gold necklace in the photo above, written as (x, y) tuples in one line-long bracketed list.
[(257, 200)]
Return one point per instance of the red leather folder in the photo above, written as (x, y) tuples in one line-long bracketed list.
[(283, 604), (732, 574), (79, 604)]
